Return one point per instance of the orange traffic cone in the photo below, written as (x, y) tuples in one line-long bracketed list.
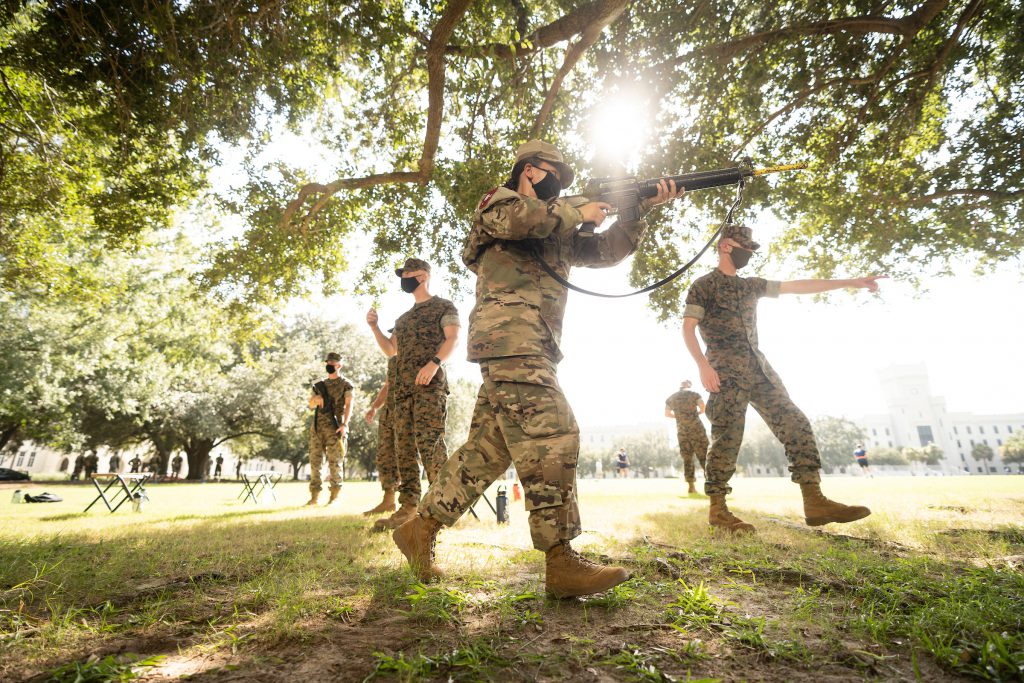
[(516, 493)]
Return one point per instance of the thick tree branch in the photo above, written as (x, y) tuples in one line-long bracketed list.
[(560, 30), (435, 109), (572, 55)]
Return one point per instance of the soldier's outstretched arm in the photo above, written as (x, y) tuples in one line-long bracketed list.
[(869, 283)]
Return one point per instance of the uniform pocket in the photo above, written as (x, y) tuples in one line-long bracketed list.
[(539, 411)]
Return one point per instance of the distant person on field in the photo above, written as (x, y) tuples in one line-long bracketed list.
[(328, 430), (92, 464), (862, 459), (238, 470), (115, 463), (135, 463), (686, 407), (219, 468), (724, 307), (176, 466), (76, 473), (622, 463)]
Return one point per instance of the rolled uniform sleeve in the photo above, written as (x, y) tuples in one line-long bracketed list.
[(761, 287), (696, 301), (450, 317)]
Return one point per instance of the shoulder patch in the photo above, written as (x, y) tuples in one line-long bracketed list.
[(487, 198)]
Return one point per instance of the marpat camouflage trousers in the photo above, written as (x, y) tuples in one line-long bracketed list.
[(387, 463), (418, 423), (325, 442), (521, 417), (693, 444), (727, 411)]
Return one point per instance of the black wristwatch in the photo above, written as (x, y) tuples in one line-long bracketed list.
[(436, 361)]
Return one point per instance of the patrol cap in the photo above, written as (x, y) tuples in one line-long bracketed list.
[(742, 234), (333, 356), (413, 264), (545, 151)]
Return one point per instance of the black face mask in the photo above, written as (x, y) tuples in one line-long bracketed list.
[(548, 187), (330, 369), (740, 257), (409, 284)]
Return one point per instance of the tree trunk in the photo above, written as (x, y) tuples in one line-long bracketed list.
[(296, 466), (197, 452), (5, 437)]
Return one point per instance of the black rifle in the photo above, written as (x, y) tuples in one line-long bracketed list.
[(320, 389), (625, 193)]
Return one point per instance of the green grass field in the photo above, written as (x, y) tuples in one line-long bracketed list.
[(200, 586)]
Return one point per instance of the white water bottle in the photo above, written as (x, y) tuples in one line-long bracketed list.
[(16, 498)]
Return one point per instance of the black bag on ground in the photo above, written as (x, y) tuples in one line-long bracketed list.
[(44, 497)]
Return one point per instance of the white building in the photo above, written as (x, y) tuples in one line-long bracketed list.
[(916, 418)]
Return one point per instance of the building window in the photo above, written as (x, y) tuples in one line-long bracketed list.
[(1009, 429), (972, 442), (890, 444), (968, 429), (962, 458), (995, 429), (874, 432), (980, 470), (954, 430), (21, 459), (32, 459), (985, 441), (887, 433), (924, 435), (981, 430), (958, 444)]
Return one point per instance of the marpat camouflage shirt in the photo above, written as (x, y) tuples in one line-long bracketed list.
[(684, 404), (726, 309), (338, 389), (419, 333), (519, 307)]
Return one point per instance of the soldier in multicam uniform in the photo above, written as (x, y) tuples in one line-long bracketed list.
[(736, 373), (387, 464), (424, 337), (686, 406), (521, 415), (324, 437)]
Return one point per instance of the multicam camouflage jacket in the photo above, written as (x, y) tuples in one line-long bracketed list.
[(519, 307)]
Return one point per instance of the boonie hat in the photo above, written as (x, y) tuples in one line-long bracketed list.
[(413, 264), (545, 151), (742, 234)]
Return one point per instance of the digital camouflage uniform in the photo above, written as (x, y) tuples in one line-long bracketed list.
[(726, 308), (387, 463), (521, 415), (693, 440), (418, 412), (324, 438)]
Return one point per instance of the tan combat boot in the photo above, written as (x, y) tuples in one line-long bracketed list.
[(404, 514), (691, 487), (416, 538), (569, 574), (334, 495), (313, 497), (820, 510), (719, 516), (386, 505)]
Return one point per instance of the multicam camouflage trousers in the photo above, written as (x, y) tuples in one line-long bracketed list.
[(727, 411), (693, 444), (325, 441), (387, 464), (521, 417), (418, 423)]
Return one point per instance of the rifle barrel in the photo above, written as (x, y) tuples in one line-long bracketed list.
[(702, 180)]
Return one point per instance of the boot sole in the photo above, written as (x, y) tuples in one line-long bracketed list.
[(821, 521)]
